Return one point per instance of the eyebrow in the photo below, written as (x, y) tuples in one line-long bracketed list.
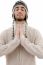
[(18, 7), (22, 7)]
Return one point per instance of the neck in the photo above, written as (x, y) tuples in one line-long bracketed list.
[(20, 22)]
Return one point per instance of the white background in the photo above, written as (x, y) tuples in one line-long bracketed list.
[(35, 19)]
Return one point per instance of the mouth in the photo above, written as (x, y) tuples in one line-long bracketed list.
[(19, 14)]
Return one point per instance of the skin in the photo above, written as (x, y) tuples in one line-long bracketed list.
[(20, 13)]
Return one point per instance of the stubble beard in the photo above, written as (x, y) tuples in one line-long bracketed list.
[(19, 19)]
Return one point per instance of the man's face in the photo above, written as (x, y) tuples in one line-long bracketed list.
[(19, 12)]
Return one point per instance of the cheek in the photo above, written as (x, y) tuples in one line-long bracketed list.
[(15, 14), (24, 14)]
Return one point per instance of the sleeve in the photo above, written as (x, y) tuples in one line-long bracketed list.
[(34, 49), (9, 47)]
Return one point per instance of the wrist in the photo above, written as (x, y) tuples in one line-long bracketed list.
[(17, 39), (22, 37), (16, 36)]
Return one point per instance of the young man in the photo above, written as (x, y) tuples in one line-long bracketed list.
[(21, 43)]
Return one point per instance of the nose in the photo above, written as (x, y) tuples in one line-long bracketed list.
[(19, 9), (20, 12)]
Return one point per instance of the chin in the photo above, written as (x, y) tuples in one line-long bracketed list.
[(20, 19)]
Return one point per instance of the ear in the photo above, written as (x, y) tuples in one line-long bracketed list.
[(12, 15), (26, 15)]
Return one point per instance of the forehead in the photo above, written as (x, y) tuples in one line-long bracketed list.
[(21, 6)]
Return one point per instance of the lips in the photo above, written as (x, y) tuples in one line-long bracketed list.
[(19, 14)]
